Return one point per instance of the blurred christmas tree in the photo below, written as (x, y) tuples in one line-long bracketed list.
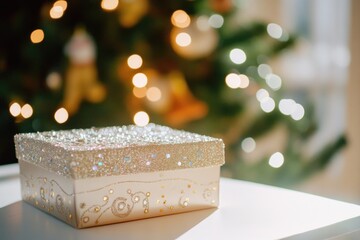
[(194, 65)]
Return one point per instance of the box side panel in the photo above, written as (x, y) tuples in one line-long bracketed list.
[(48, 191), (114, 199)]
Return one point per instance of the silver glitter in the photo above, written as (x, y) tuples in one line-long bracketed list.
[(97, 151), (127, 159)]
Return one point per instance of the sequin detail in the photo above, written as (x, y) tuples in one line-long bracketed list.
[(95, 152)]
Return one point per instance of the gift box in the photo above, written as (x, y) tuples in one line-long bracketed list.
[(97, 176)]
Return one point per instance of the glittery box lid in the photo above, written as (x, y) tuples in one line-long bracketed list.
[(94, 152)]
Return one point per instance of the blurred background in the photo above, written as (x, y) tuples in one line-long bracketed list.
[(275, 80)]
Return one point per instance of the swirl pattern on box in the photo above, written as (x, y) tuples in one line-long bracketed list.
[(111, 203)]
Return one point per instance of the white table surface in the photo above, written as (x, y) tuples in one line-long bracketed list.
[(247, 211)]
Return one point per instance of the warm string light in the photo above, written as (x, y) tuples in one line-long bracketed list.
[(141, 119), (140, 80), (180, 19), (27, 111), (234, 80), (56, 12), (37, 36), (58, 9), (109, 5), (61, 3), (134, 61), (61, 115), (15, 109), (183, 39)]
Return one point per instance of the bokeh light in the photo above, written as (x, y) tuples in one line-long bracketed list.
[(274, 30), (273, 81), (233, 80), (264, 70), (15, 109), (180, 19), (237, 56), (26, 111), (202, 23), (139, 80), (216, 21), (276, 160), (61, 115), (141, 118), (56, 12), (139, 92), (37, 36), (53, 80), (183, 39), (267, 104), (248, 145), (287, 106), (244, 83), (298, 112), (61, 3), (109, 5), (153, 94), (262, 94), (135, 61)]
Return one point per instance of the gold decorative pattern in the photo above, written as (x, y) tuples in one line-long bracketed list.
[(112, 201), (40, 192), (121, 207)]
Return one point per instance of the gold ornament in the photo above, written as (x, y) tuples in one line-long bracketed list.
[(131, 11), (185, 107), (221, 6), (169, 95), (81, 81), (196, 41)]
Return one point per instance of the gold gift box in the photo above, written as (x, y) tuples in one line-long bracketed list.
[(97, 176)]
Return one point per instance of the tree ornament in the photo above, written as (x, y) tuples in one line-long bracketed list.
[(176, 102), (81, 81), (221, 6), (196, 41), (185, 107), (131, 11)]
